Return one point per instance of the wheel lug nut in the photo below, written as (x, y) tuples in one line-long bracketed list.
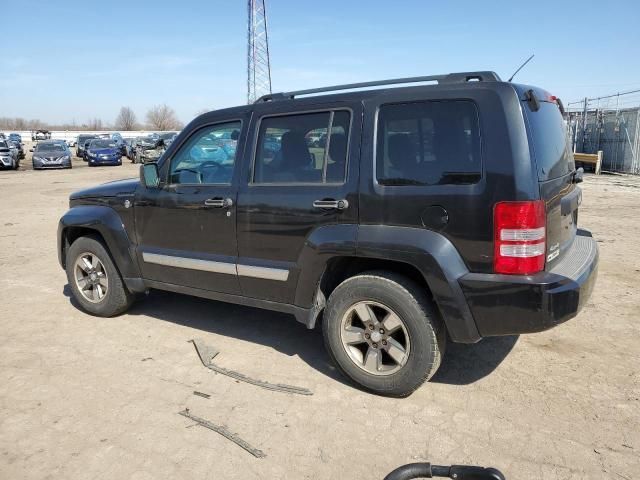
[(384, 342), (375, 345), (382, 330), (366, 335), (371, 327)]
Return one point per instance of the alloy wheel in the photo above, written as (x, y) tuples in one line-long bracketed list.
[(91, 277), (375, 338)]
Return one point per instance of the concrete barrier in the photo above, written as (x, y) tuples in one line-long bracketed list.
[(73, 134)]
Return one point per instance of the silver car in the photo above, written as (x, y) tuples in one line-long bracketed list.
[(8, 158), (51, 154)]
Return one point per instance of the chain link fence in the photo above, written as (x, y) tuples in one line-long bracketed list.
[(610, 124)]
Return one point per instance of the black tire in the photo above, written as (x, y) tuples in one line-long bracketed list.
[(117, 299), (423, 325)]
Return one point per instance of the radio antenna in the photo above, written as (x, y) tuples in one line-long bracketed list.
[(521, 67)]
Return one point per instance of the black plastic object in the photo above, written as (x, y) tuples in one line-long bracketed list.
[(457, 472), (532, 100)]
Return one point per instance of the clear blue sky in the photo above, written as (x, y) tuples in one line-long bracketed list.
[(66, 60)]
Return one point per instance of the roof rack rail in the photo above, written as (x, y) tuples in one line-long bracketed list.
[(460, 77)]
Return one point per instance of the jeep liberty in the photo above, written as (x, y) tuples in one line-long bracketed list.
[(396, 216)]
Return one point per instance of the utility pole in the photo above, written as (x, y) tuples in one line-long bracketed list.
[(258, 64), (584, 123)]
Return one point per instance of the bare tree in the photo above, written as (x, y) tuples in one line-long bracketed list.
[(126, 119), (162, 117), (94, 124), (35, 124), (20, 124)]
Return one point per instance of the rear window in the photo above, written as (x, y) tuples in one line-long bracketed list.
[(548, 134), (428, 143)]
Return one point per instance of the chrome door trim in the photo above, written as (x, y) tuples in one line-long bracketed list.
[(265, 273), (190, 263)]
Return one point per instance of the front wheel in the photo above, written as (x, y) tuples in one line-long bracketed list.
[(95, 282), (382, 331)]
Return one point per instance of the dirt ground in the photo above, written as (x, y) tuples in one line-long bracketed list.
[(91, 398)]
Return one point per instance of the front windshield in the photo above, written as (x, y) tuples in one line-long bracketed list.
[(49, 147), (102, 144), (3, 144)]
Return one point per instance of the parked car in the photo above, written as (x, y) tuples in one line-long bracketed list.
[(435, 211), (116, 137), (51, 154), (8, 159), (130, 147), (167, 137), (16, 137), (149, 149), (40, 135), (72, 142), (103, 152), (17, 147), (80, 145)]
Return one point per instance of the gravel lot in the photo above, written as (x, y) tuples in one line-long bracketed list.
[(84, 397)]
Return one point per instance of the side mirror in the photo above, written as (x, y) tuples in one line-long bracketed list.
[(149, 175)]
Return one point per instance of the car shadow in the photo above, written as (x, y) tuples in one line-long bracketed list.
[(271, 329), (464, 364)]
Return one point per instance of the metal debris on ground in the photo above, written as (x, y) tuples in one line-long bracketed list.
[(222, 430), (200, 394), (207, 354)]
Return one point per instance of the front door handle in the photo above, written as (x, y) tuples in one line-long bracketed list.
[(218, 202), (337, 204)]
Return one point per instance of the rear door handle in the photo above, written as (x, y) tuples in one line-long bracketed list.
[(218, 202), (337, 204)]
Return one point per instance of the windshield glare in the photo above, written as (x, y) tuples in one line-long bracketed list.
[(49, 147), (102, 144)]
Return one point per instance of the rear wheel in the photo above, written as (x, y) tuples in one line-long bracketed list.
[(382, 332), (94, 279)]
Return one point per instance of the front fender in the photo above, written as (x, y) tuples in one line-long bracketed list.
[(106, 222)]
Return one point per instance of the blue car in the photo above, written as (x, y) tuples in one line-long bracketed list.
[(103, 152)]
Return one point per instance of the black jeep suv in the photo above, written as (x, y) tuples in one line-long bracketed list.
[(429, 211)]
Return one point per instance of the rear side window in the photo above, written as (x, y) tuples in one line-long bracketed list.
[(303, 148), (548, 134), (428, 143)]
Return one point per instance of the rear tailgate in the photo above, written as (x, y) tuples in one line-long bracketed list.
[(555, 167)]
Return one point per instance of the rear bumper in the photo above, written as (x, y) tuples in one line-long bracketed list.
[(510, 305)]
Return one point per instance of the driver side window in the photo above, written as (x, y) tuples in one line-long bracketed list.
[(207, 157)]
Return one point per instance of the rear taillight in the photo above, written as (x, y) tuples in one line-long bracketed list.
[(519, 237)]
